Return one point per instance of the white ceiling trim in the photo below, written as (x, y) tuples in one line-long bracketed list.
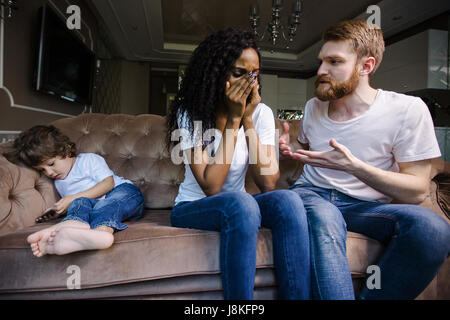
[(264, 53)]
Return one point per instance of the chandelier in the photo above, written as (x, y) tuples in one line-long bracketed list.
[(10, 5), (274, 29)]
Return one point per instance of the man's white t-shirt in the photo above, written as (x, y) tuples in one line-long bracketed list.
[(88, 170), (264, 124), (395, 128)]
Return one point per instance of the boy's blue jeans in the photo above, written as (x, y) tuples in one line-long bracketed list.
[(417, 242), (124, 202), (238, 216)]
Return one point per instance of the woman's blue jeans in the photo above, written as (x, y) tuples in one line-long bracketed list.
[(238, 216), (416, 240)]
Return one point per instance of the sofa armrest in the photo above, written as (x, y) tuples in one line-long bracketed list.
[(24, 195)]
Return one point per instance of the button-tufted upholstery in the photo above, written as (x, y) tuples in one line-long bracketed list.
[(149, 259), (24, 194), (133, 147)]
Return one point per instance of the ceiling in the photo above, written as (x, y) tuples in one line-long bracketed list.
[(169, 30), (190, 21)]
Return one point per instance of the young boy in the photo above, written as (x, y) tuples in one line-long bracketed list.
[(96, 200)]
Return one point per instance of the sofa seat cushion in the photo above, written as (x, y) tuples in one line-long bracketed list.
[(149, 249)]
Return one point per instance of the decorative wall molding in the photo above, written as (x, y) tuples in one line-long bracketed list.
[(2, 46)]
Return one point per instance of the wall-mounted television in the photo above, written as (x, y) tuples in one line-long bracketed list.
[(65, 65)]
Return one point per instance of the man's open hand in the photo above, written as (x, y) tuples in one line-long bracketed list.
[(284, 147), (339, 158)]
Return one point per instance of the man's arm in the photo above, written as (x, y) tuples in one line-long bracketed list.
[(439, 166), (410, 185)]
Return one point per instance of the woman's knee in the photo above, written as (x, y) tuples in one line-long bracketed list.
[(285, 205), (242, 212), (288, 196)]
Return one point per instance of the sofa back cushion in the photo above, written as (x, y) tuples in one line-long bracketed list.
[(133, 147)]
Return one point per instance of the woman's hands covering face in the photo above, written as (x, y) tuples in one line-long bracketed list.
[(254, 101), (236, 94)]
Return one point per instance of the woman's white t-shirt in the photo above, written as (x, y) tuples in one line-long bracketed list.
[(395, 128), (88, 170), (264, 124)]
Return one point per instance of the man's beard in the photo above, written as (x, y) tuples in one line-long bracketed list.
[(336, 90)]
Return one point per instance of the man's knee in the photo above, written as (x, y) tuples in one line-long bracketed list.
[(326, 221), (429, 231)]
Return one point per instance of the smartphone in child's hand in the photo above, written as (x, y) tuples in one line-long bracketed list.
[(47, 215)]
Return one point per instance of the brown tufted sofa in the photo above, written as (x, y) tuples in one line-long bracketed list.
[(150, 259)]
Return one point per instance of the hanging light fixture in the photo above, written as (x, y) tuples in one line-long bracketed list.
[(275, 29), (10, 5)]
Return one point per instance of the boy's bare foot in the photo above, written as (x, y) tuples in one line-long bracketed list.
[(38, 240), (68, 240)]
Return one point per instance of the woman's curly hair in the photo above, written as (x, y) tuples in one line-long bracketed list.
[(40, 143), (203, 86)]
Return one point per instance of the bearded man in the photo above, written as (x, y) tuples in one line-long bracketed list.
[(362, 148)]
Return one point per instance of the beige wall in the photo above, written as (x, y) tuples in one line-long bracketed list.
[(310, 87), (285, 93), (269, 91), (134, 87), (122, 87)]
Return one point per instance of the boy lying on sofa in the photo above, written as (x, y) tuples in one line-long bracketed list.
[(95, 199)]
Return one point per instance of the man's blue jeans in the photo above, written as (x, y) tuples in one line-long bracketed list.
[(238, 216), (417, 242)]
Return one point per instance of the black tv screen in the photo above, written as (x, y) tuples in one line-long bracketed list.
[(65, 66)]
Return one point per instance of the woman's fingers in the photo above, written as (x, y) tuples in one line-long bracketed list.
[(234, 88), (241, 89), (251, 87)]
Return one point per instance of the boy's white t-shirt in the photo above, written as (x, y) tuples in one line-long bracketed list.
[(396, 128), (88, 170), (264, 124)]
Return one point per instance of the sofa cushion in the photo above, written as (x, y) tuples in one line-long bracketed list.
[(149, 249), (133, 147), (24, 195)]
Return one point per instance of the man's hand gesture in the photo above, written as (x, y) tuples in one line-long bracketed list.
[(285, 148)]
